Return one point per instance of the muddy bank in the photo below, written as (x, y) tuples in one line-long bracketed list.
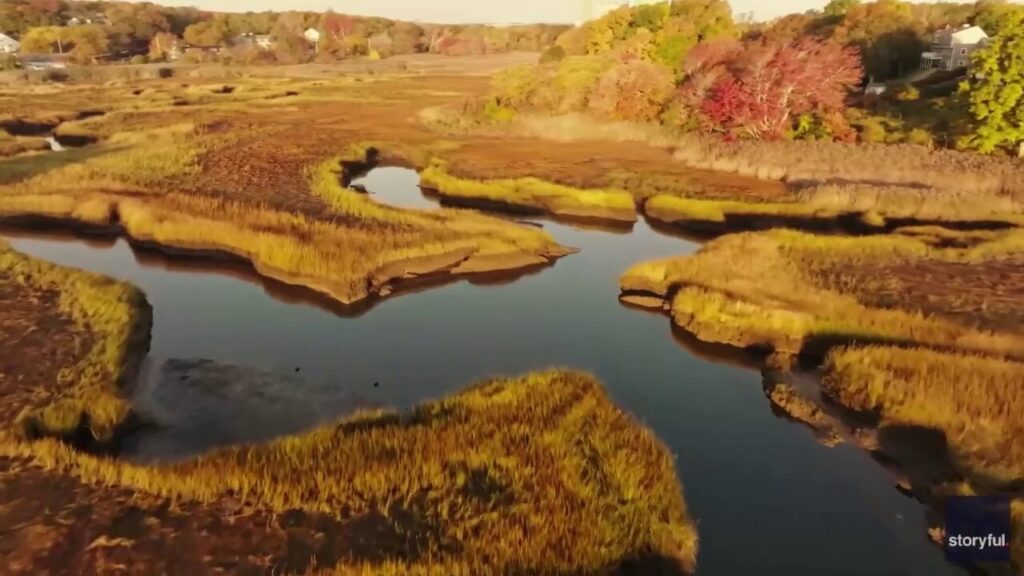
[(823, 222)]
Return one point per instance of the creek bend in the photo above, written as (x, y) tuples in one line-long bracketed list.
[(768, 498)]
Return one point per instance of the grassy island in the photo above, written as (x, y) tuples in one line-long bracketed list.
[(795, 292), (920, 332), (531, 196), (540, 473)]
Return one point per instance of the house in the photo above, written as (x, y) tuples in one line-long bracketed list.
[(8, 45), (952, 47), (313, 35), (250, 40)]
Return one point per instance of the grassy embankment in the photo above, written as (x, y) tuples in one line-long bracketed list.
[(530, 195), (355, 251), (540, 474), (109, 324), (824, 185), (853, 186), (790, 292), (974, 401)]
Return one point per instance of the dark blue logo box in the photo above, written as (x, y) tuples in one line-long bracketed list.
[(977, 529)]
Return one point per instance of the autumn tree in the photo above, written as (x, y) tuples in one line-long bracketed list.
[(18, 16), (994, 15), (996, 90), (208, 34), (634, 90), (712, 18), (890, 38), (837, 9), (43, 40), (132, 26), (84, 44), (769, 84), (87, 43)]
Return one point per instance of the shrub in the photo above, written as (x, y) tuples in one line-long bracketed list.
[(634, 90), (872, 129), (496, 112), (553, 54), (515, 86), (921, 137)]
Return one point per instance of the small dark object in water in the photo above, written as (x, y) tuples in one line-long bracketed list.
[(291, 93), (376, 384), (224, 90), (180, 102), (297, 369)]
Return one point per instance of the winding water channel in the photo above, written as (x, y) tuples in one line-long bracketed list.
[(769, 499)]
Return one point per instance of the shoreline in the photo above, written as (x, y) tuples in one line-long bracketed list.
[(391, 278)]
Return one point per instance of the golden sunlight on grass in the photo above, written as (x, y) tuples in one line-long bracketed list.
[(976, 401), (110, 319), (793, 292), (540, 473), (530, 195)]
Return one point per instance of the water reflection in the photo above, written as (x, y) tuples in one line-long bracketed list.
[(770, 500)]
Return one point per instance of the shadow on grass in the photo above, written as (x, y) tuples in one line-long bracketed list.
[(21, 168)]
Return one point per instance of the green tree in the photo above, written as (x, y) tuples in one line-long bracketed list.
[(837, 9), (997, 90), (992, 15)]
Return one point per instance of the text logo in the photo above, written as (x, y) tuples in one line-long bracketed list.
[(977, 529)]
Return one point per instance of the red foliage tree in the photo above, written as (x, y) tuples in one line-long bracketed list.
[(338, 25), (770, 83)]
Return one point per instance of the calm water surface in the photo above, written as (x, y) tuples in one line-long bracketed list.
[(769, 499)]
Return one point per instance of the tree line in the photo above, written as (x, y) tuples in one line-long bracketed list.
[(147, 31), (687, 65)]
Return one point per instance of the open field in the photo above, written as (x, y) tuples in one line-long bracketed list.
[(798, 293), (479, 479)]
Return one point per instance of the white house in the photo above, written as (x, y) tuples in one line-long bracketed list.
[(8, 45), (952, 47), (313, 35)]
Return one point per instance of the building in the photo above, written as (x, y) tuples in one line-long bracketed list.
[(8, 45), (260, 41), (952, 47), (39, 62), (594, 9)]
